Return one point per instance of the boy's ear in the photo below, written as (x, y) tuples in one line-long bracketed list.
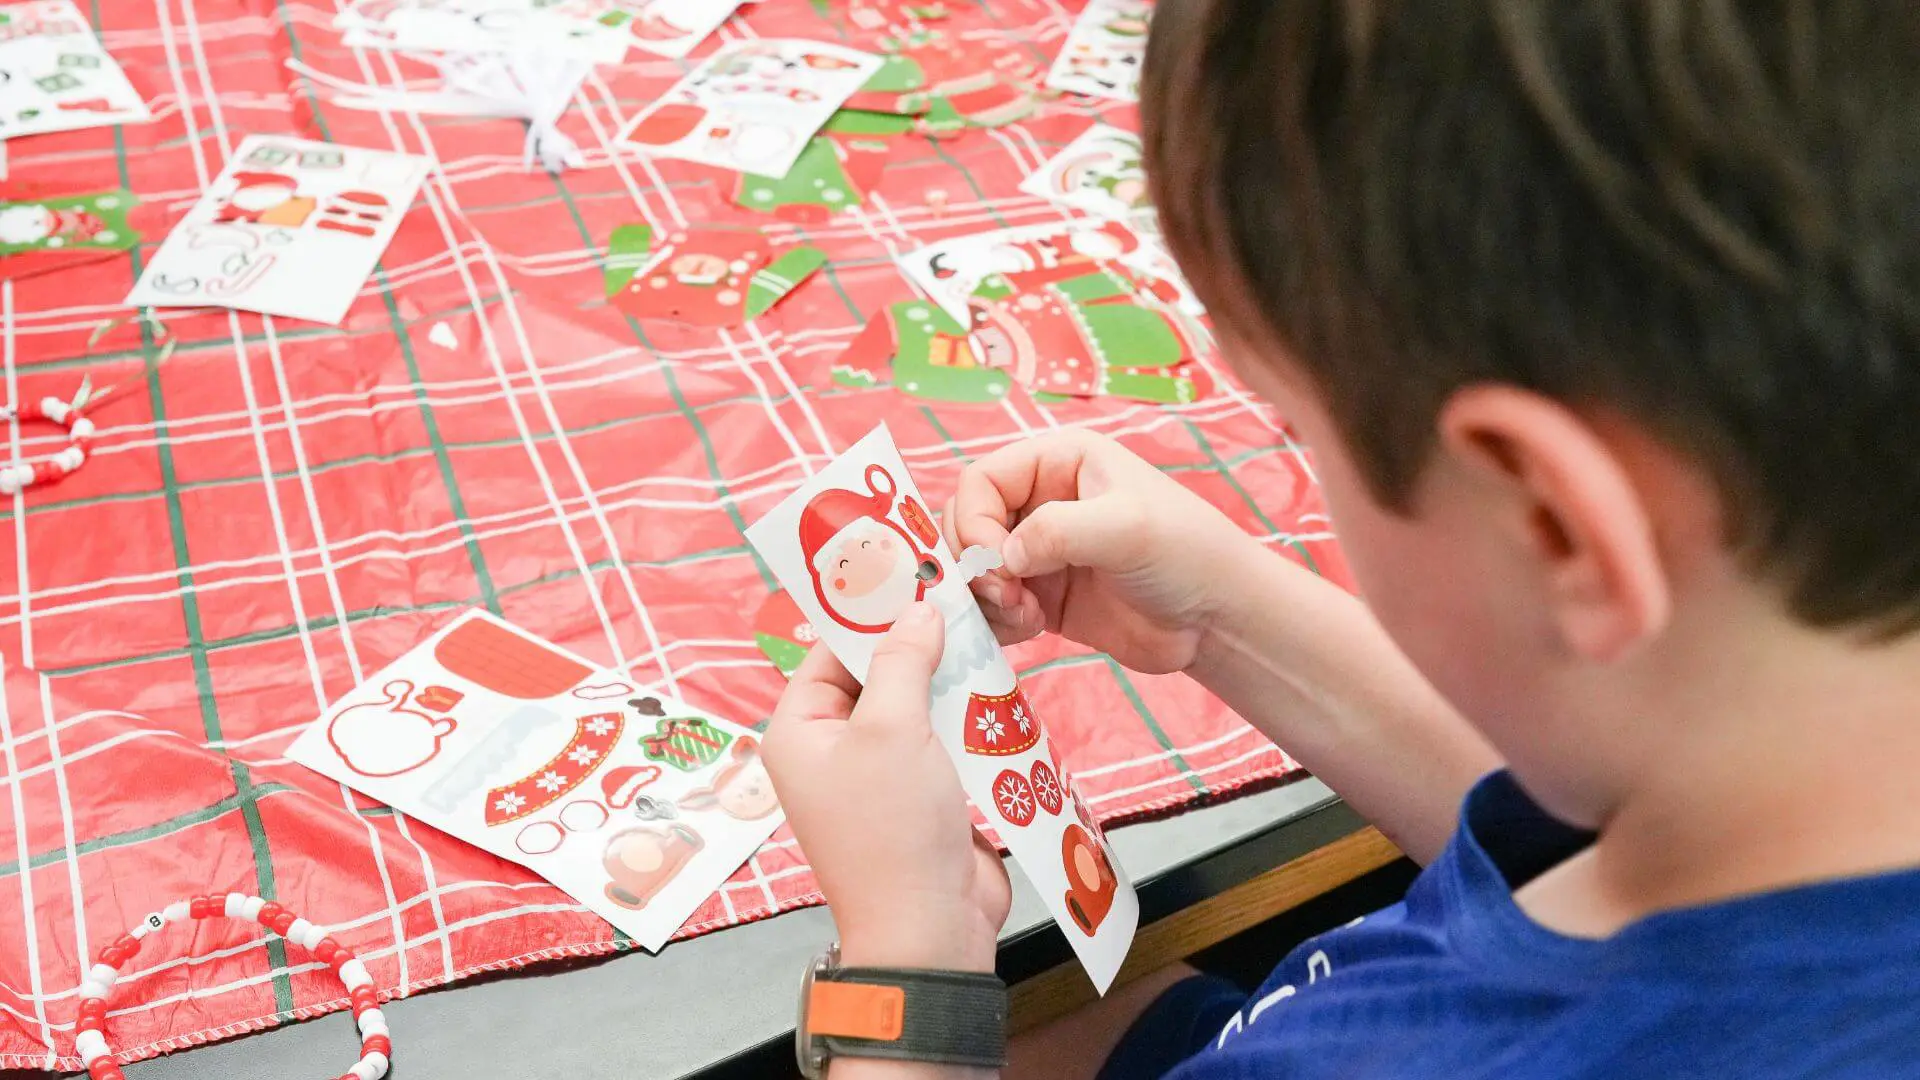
[(1568, 500)]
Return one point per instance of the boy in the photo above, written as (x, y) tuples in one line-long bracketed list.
[(1602, 318)]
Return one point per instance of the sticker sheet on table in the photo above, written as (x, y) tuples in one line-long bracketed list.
[(56, 75), (636, 805), (854, 547)]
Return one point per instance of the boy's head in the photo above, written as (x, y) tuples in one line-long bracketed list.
[(1604, 315)]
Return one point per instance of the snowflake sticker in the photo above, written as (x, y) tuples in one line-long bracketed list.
[(805, 633), (1013, 796), (509, 804), (990, 726), (551, 781), (1046, 788), (583, 755), (600, 725), (1023, 718)]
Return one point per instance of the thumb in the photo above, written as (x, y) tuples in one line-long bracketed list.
[(900, 678), (1101, 534)]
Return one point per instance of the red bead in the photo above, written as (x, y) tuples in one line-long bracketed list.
[(203, 907), (115, 955), (329, 952), (281, 922), (267, 911), (93, 1014), (363, 998), (129, 943), (106, 1070), (376, 1044)]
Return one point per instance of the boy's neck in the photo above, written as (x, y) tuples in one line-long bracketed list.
[(1788, 759)]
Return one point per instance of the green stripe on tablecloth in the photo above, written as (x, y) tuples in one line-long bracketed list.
[(1159, 733), (679, 399), (245, 794), (145, 832), (1225, 473)]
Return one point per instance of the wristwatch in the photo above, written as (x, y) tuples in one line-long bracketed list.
[(901, 1014)]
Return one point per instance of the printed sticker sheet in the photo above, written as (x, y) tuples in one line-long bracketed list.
[(1099, 172), (1104, 51), (54, 76), (636, 805), (290, 228), (853, 548), (485, 26), (752, 106)]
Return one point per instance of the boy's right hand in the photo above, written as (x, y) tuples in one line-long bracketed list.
[(1100, 547)]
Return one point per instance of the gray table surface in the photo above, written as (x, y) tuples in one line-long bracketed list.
[(641, 1017)]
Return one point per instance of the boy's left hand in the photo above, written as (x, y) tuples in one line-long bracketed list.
[(878, 808)]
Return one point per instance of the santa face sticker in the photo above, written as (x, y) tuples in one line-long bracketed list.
[(753, 106), (865, 564), (636, 805), (853, 547), (68, 223), (289, 228)]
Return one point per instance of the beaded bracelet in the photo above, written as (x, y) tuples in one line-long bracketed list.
[(376, 1046), (16, 478)]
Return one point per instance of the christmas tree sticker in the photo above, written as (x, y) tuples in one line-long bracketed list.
[(66, 223), (783, 632)]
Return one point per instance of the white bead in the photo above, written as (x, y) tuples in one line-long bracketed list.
[(363, 1070), (234, 901), (104, 974), (178, 911), (148, 925), (373, 1022), (91, 1046), (9, 485), (306, 935), (54, 409), (379, 1062), (71, 458), (251, 908), (82, 428), (354, 974), (93, 988)]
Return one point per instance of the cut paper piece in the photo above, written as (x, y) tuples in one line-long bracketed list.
[(834, 173), (522, 84), (951, 271), (852, 548), (570, 27), (752, 106), (923, 352), (1099, 172), (783, 633), (68, 223), (946, 84), (977, 562), (442, 335), (1104, 51), (561, 785), (705, 276), (669, 28), (58, 77), (290, 227), (1101, 334)]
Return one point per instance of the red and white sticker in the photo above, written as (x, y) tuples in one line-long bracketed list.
[(1013, 797)]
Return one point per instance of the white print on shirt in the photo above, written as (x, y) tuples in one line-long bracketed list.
[(1318, 967)]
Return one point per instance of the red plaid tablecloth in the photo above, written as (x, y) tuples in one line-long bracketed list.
[(279, 508)]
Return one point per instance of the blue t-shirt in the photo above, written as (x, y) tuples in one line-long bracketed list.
[(1457, 982)]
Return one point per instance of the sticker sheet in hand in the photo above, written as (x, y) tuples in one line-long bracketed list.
[(57, 77), (1104, 50), (952, 271), (635, 805), (854, 548), (753, 105), (290, 228), (583, 28), (1099, 172)]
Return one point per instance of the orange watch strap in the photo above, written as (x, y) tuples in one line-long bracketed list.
[(857, 1011)]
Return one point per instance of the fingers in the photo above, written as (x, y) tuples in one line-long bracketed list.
[(820, 689), (998, 489), (900, 678), (1101, 533)]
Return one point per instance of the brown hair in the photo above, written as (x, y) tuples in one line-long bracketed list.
[(1702, 214)]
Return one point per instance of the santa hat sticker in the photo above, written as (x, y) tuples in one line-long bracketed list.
[(668, 124), (1000, 725), (621, 785)]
